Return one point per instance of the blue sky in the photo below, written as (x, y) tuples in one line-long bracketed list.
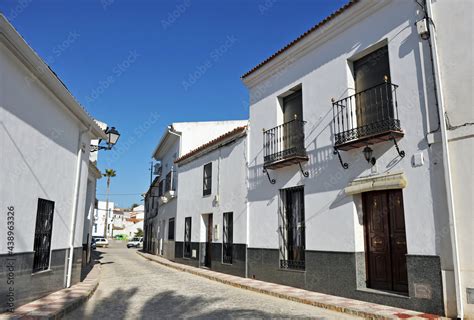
[(140, 65)]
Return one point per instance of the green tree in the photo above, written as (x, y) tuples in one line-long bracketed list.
[(139, 233), (109, 173)]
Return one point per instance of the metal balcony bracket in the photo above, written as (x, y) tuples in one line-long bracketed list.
[(272, 181), (401, 153), (305, 173), (343, 164)]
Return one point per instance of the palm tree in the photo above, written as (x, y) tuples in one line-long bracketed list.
[(109, 173)]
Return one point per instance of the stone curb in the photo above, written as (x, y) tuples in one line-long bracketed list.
[(215, 276), (59, 303)]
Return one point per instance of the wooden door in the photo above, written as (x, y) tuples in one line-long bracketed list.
[(293, 134), (385, 238), (208, 258)]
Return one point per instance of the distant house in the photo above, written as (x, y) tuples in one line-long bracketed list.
[(47, 179), (178, 139), (211, 221), (99, 219)]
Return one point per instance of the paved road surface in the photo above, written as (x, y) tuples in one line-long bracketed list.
[(132, 287)]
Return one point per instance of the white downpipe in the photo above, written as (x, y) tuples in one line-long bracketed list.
[(75, 206), (447, 168)]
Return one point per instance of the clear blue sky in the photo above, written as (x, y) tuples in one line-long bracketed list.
[(140, 65)]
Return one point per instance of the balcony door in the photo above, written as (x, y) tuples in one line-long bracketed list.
[(293, 137), (373, 99)]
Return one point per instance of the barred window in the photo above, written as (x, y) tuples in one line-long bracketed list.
[(292, 228), (187, 237), (228, 225), (171, 229), (207, 179), (43, 231)]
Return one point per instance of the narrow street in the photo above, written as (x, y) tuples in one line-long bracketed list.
[(134, 288)]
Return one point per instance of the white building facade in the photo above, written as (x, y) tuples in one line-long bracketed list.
[(360, 85), (99, 219), (178, 139), (211, 221), (45, 139)]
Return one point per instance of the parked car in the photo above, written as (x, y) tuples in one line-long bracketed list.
[(101, 242), (136, 242)]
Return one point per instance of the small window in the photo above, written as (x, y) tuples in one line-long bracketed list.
[(228, 226), (43, 231), (187, 237), (171, 229), (207, 179), (160, 188)]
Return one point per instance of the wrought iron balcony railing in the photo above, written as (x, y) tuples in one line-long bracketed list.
[(367, 117), (284, 144)]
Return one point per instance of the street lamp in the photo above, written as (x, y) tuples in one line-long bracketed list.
[(368, 155), (112, 137)]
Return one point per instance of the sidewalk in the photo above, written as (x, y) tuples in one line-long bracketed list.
[(57, 304), (349, 306)]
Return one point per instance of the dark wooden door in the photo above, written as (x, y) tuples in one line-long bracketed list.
[(384, 226), (208, 257), (373, 103)]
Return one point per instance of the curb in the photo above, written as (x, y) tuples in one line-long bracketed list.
[(390, 313), (59, 303)]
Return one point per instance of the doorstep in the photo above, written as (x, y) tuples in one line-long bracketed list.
[(57, 304), (353, 307)]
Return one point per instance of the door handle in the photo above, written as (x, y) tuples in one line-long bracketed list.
[(400, 242), (378, 242)]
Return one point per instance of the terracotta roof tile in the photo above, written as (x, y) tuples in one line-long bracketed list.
[(213, 142), (292, 43)]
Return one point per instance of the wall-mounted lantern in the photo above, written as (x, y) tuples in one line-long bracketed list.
[(368, 155), (112, 137)]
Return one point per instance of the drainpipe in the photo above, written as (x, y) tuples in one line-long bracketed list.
[(446, 163), (75, 205)]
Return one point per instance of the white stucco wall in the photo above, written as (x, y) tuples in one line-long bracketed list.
[(229, 193), (454, 22), (39, 143), (333, 222), (99, 219)]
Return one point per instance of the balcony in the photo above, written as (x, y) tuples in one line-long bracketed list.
[(367, 117), (284, 145)]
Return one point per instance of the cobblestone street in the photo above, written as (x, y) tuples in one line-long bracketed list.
[(134, 288)]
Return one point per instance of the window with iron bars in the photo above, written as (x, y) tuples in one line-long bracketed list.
[(169, 181), (187, 237), (160, 188), (43, 232), (227, 243), (292, 228), (171, 229), (207, 179)]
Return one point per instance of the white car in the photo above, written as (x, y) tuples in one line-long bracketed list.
[(101, 242), (136, 242)]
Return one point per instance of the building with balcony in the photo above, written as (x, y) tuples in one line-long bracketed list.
[(211, 221), (351, 189), (178, 139)]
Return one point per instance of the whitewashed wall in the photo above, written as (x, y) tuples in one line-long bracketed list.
[(454, 24), (229, 192), (333, 222), (39, 143)]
